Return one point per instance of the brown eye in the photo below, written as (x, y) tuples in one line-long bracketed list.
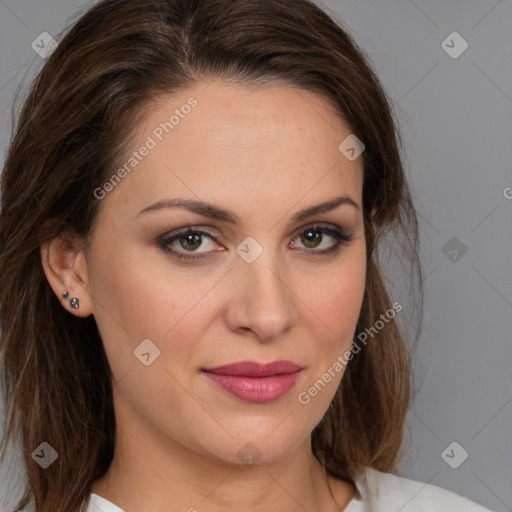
[(183, 244), (313, 237), (190, 241)]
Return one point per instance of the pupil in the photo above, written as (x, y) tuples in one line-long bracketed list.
[(315, 236), (188, 239)]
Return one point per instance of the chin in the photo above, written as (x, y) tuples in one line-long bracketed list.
[(265, 443)]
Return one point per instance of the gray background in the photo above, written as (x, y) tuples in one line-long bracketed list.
[(456, 120)]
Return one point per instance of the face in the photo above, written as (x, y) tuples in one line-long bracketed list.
[(252, 281)]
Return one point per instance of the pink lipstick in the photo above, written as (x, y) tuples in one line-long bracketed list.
[(255, 382)]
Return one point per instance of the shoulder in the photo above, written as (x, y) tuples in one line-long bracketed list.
[(387, 492), (100, 504)]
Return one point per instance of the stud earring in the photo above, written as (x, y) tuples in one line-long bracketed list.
[(73, 303)]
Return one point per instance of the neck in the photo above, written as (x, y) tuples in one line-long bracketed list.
[(179, 479), (152, 471)]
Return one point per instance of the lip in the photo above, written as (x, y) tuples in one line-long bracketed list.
[(255, 382)]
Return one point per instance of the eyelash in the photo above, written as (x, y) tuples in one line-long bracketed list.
[(341, 239)]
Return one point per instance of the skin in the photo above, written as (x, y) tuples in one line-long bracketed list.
[(264, 153)]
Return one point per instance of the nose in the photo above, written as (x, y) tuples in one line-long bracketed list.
[(262, 301)]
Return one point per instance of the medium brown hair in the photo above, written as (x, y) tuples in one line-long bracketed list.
[(73, 131)]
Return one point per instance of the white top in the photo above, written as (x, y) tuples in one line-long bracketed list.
[(390, 493)]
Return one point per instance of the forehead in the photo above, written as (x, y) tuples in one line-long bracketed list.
[(245, 144)]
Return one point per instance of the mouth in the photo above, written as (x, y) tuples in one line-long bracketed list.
[(255, 382)]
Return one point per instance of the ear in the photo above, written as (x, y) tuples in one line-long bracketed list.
[(65, 267)]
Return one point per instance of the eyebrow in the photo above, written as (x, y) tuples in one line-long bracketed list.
[(214, 212)]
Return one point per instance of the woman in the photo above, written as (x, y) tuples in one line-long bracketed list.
[(194, 314)]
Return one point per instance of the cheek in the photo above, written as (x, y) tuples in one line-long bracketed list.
[(136, 302), (337, 308), (337, 296)]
